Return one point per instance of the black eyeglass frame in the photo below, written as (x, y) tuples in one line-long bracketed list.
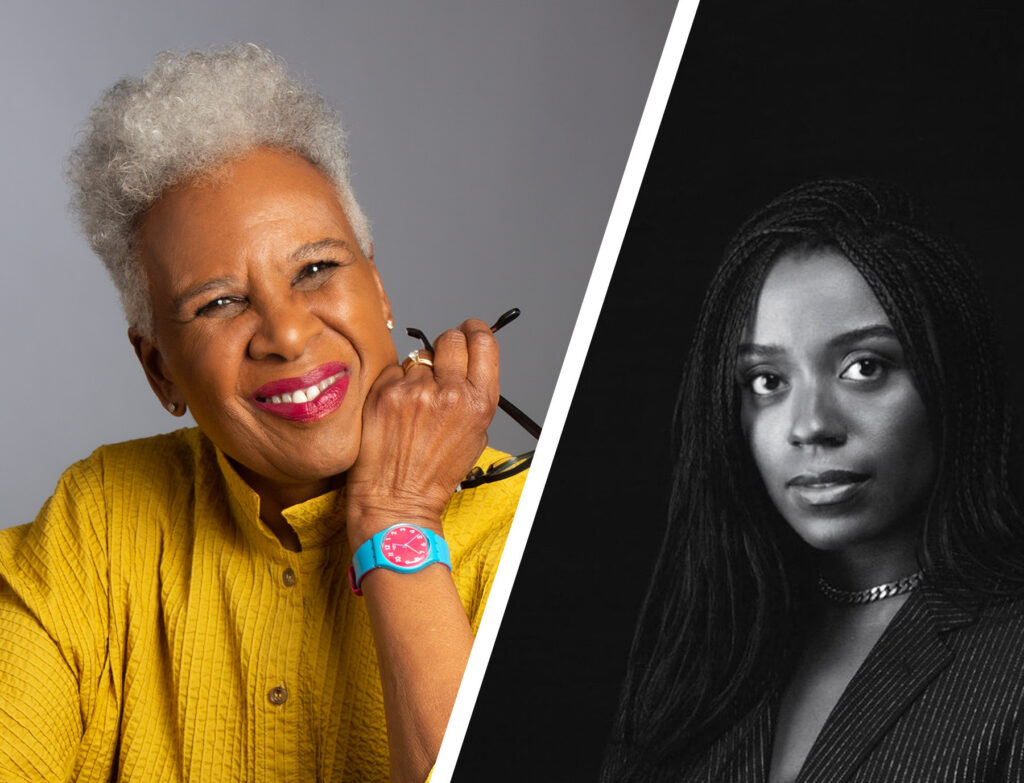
[(509, 466)]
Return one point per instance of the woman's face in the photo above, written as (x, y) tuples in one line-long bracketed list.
[(834, 421), (259, 290)]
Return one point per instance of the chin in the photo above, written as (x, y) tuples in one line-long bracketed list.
[(323, 468), (833, 534)]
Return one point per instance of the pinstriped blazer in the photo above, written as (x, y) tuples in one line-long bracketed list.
[(940, 698)]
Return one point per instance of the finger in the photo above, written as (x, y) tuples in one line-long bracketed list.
[(484, 358), (388, 376), (451, 357), (420, 358)]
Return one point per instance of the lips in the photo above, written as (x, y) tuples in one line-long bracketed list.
[(307, 397), (827, 488)]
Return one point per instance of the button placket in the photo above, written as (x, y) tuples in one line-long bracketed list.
[(281, 709)]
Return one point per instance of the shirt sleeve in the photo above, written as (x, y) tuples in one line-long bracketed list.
[(53, 616), (476, 525)]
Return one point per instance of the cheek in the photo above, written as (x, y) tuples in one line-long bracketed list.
[(763, 431), (207, 366), (905, 442)]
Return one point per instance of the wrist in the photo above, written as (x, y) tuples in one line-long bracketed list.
[(365, 522), (404, 548)]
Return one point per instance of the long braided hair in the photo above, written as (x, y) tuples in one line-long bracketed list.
[(728, 587)]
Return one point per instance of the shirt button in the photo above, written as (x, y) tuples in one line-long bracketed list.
[(288, 577), (278, 695)]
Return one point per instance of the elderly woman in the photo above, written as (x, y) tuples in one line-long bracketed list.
[(183, 606)]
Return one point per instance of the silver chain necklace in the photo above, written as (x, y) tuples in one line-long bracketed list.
[(876, 593)]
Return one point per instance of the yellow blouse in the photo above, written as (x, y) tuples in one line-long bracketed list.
[(152, 628)]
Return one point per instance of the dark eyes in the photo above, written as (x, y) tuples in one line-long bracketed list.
[(309, 278), (223, 307), (863, 370), (762, 383), (316, 273)]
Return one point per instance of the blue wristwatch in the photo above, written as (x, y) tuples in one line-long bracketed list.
[(404, 548)]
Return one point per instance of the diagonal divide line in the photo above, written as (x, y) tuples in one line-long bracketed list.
[(615, 231)]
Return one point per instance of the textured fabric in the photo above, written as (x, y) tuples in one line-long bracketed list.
[(939, 698), (149, 621)]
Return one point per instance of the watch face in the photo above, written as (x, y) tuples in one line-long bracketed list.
[(405, 546)]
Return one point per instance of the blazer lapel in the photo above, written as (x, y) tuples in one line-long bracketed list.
[(910, 653)]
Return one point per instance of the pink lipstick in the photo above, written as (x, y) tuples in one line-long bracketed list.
[(308, 397)]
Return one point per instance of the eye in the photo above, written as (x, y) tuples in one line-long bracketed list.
[(315, 274), (223, 307), (863, 370), (764, 384)]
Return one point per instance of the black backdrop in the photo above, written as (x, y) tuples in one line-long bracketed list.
[(769, 94)]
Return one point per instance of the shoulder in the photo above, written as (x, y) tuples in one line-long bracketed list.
[(476, 524), (116, 485), (153, 461), (987, 639)]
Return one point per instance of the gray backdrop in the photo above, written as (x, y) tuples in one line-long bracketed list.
[(487, 144)]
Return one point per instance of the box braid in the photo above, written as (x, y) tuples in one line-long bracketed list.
[(732, 578)]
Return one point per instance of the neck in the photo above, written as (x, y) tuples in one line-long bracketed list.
[(878, 562), (275, 497)]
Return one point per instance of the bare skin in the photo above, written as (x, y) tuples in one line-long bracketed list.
[(255, 277)]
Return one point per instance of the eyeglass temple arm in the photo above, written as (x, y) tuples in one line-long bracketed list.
[(517, 415)]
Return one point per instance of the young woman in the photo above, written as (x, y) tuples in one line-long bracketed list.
[(838, 593)]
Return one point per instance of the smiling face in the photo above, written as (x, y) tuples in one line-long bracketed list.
[(835, 424), (270, 323)]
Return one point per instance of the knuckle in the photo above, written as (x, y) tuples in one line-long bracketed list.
[(479, 408), (449, 397), (483, 340), (391, 395), (474, 325), (449, 335)]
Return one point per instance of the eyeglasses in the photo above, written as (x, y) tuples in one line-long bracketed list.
[(510, 465)]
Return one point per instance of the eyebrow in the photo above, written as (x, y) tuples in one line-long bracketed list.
[(312, 249), (846, 339)]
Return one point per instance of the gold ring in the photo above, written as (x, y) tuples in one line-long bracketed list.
[(415, 358)]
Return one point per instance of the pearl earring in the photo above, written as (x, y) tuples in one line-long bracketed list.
[(391, 324)]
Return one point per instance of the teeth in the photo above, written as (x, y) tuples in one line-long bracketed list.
[(303, 395)]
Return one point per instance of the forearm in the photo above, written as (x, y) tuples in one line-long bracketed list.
[(423, 640)]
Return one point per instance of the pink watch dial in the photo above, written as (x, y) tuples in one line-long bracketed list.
[(404, 546)]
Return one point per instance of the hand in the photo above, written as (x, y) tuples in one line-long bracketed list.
[(423, 430)]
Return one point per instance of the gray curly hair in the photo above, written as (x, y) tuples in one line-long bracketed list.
[(191, 112)]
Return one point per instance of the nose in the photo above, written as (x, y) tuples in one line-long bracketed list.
[(285, 329), (816, 418)]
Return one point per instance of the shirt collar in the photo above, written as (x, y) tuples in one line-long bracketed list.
[(317, 522)]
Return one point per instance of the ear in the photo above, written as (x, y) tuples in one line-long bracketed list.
[(385, 304), (152, 362)]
